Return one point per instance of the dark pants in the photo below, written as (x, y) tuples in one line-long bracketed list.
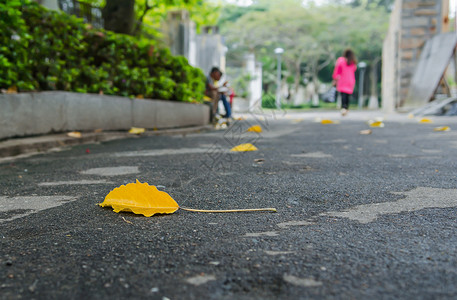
[(345, 100)]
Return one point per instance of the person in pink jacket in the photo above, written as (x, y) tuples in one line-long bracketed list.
[(344, 77)]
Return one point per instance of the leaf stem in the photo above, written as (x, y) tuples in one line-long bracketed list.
[(229, 210)]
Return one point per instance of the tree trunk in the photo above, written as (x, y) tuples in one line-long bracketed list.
[(119, 15), (315, 77), (373, 101), (297, 78), (315, 98)]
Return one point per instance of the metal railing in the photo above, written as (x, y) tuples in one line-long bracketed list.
[(90, 14)]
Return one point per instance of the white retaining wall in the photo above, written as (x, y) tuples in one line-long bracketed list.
[(45, 112)]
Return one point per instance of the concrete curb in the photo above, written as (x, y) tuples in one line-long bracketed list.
[(19, 147), (28, 114)]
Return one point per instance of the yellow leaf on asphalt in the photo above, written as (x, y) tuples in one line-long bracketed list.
[(377, 124), (425, 120), (147, 200), (442, 128), (255, 128), (74, 134), (135, 130), (244, 148), (325, 121), (140, 198)]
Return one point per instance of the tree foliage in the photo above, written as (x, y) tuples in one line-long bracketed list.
[(231, 13), (312, 36), (385, 4), (152, 13), (144, 17)]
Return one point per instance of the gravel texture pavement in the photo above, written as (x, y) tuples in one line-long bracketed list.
[(359, 216)]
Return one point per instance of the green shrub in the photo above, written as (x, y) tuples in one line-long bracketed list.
[(47, 50), (14, 39), (268, 101)]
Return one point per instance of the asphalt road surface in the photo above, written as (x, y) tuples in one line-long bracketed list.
[(359, 216)]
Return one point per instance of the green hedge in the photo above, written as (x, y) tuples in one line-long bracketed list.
[(43, 50)]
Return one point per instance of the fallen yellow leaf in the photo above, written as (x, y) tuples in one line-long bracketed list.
[(135, 130), (377, 124), (140, 198), (255, 128), (74, 134), (425, 120), (327, 122), (147, 200), (244, 148), (442, 128)]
